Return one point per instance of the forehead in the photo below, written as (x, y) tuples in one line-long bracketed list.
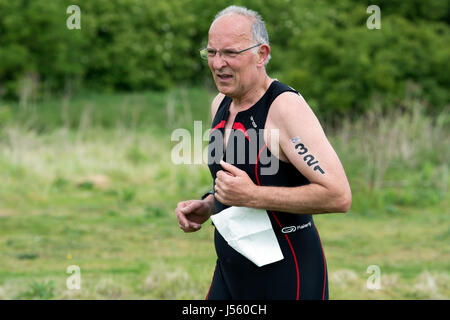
[(230, 30)]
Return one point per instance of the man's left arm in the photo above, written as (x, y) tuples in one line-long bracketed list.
[(303, 141)]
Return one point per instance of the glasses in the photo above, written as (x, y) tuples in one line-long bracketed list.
[(207, 53)]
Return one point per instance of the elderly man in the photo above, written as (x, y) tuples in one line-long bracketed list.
[(309, 178)]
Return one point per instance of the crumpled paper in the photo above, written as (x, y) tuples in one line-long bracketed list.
[(249, 231)]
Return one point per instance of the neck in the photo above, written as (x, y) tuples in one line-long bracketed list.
[(251, 96)]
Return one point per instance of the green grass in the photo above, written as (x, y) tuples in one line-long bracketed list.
[(100, 193)]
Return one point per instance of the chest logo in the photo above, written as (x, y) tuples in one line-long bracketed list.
[(236, 126), (240, 126), (253, 122)]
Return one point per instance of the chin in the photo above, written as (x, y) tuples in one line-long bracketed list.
[(226, 90)]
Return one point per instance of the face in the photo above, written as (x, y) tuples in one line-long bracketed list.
[(233, 76)]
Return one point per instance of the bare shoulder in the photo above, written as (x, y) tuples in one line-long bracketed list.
[(291, 116), (215, 104), (289, 108)]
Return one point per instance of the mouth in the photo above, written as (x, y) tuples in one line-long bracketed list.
[(224, 76)]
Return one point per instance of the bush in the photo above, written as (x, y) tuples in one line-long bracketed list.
[(343, 65), (322, 48)]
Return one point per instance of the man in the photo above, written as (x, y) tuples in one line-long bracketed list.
[(309, 178)]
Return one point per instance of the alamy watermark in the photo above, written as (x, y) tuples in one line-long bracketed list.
[(73, 282), (244, 146), (74, 20), (374, 280), (374, 20)]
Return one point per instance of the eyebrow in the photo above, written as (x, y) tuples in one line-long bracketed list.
[(224, 49)]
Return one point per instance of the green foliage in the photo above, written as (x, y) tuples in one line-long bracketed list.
[(322, 48), (343, 65), (136, 155), (39, 290), (125, 237)]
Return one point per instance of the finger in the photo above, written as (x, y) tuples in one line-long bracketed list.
[(220, 198), (185, 204), (220, 186), (182, 205), (217, 189), (216, 182), (191, 207), (222, 174), (191, 228), (195, 226), (235, 171), (220, 193), (182, 219), (219, 174)]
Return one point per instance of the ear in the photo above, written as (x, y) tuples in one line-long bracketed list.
[(263, 54)]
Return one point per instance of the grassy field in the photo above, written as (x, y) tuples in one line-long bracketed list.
[(89, 181)]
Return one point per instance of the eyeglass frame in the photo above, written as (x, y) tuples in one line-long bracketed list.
[(221, 53)]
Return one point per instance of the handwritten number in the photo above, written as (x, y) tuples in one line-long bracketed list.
[(309, 160), (303, 150), (319, 168)]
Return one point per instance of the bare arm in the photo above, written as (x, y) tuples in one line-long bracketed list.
[(191, 214), (303, 141), (304, 144), (214, 107)]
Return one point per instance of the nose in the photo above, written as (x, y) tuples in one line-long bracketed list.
[(218, 62)]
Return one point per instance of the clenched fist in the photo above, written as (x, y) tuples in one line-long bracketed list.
[(233, 186), (191, 214)]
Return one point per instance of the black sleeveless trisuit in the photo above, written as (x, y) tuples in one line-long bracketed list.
[(302, 274)]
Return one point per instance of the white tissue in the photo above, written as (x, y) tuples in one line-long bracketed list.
[(250, 233)]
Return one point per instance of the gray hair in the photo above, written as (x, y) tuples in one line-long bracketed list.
[(259, 32)]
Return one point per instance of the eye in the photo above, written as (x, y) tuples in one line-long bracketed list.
[(230, 53), (211, 52)]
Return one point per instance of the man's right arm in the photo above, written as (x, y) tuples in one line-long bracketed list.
[(214, 107), (210, 201), (191, 214)]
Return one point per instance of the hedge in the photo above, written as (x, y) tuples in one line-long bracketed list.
[(322, 48)]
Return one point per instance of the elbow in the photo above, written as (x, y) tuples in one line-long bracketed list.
[(342, 202), (345, 203)]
